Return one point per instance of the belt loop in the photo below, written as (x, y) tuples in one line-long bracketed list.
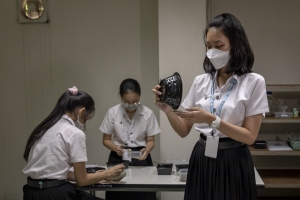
[(41, 184)]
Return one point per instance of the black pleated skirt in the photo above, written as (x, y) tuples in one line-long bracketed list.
[(113, 157), (66, 191), (228, 177)]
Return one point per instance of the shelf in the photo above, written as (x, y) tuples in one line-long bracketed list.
[(283, 88), (281, 120), (277, 198), (280, 178), (266, 152)]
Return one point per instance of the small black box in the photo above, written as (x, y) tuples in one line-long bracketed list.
[(260, 144), (164, 168)]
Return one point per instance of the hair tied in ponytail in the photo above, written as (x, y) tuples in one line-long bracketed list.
[(73, 90)]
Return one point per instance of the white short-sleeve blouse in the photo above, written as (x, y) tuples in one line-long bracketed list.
[(131, 132), (52, 156), (247, 98)]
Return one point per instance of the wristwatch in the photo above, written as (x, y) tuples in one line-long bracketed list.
[(215, 124)]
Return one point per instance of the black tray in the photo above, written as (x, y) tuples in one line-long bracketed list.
[(94, 169), (181, 166)]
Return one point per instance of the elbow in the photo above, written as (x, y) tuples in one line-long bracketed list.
[(249, 143), (104, 143), (251, 140), (80, 183), (182, 135)]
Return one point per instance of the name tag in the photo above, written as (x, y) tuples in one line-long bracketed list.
[(211, 147)]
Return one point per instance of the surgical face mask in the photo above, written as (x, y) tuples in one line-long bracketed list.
[(78, 124), (218, 58), (131, 107)]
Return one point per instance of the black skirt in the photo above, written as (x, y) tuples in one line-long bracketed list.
[(66, 191), (114, 157), (228, 177)]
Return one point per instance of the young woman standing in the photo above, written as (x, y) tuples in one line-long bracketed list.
[(227, 105)]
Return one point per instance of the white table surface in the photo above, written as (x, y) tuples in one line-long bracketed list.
[(140, 178)]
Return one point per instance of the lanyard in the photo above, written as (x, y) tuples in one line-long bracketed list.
[(212, 99)]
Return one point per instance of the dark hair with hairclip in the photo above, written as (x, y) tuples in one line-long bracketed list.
[(66, 103), (129, 84), (242, 57)]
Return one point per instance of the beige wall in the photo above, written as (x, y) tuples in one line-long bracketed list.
[(93, 44), (181, 49), (273, 30)]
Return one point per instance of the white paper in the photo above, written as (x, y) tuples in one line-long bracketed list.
[(278, 146)]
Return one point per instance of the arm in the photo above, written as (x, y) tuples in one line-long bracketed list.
[(106, 140), (149, 146), (71, 176), (181, 126), (246, 134), (82, 178)]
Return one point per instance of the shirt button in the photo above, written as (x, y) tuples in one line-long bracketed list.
[(217, 97), (131, 133), (131, 141)]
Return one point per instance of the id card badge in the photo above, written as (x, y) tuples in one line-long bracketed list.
[(211, 147), (125, 156)]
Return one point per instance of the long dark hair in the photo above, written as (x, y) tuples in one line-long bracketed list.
[(242, 57), (66, 103), (129, 84)]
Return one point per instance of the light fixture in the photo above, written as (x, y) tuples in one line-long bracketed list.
[(32, 11)]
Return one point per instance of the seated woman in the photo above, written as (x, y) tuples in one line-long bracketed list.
[(56, 145)]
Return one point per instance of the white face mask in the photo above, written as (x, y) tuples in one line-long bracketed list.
[(78, 124), (218, 58)]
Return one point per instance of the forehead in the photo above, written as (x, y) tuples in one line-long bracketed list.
[(130, 96), (215, 36)]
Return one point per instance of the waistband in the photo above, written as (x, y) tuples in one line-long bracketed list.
[(224, 143), (44, 183)]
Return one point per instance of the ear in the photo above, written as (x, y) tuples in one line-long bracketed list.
[(81, 111)]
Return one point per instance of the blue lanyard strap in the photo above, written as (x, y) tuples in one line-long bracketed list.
[(212, 98)]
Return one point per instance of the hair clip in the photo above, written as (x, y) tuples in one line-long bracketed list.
[(73, 90)]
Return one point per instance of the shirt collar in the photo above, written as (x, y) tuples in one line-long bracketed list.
[(234, 76), (66, 117)]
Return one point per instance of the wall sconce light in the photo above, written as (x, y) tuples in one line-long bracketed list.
[(32, 11)]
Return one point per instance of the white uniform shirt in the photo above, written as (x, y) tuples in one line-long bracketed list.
[(248, 97), (131, 132), (52, 156)]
